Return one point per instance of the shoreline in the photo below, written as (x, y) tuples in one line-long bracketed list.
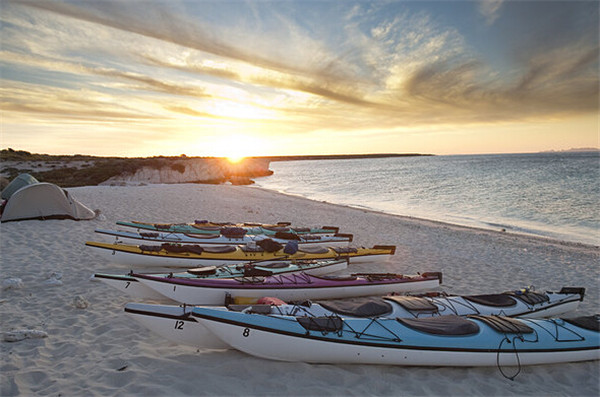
[(93, 348), (441, 223)]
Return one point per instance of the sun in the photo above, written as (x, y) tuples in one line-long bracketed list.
[(235, 158), (236, 147)]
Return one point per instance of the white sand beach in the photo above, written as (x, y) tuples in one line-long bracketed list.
[(85, 345)]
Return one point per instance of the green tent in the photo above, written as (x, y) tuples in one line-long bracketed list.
[(16, 184)]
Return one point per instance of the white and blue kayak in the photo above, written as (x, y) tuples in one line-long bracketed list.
[(144, 237), (206, 227), (451, 340), (177, 323), (131, 286)]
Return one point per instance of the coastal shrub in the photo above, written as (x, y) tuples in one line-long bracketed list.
[(12, 172)]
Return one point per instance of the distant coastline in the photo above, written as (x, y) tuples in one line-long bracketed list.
[(340, 156), (574, 150), (85, 170)]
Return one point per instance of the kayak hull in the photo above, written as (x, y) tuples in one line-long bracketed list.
[(133, 255), (284, 339), (129, 237), (133, 287), (176, 324), (128, 285), (211, 292), (159, 318), (210, 228)]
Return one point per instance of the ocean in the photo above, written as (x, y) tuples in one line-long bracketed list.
[(554, 195)]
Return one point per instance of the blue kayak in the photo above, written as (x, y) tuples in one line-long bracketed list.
[(451, 340)]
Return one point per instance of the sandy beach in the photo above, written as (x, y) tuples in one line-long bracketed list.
[(92, 348)]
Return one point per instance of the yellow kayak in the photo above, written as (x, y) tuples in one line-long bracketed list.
[(188, 256)]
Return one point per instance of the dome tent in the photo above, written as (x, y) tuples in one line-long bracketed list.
[(44, 201), (16, 184)]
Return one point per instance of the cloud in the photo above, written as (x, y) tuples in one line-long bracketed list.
[(375, 67), (64, 104), (490, 9), (160, 23)]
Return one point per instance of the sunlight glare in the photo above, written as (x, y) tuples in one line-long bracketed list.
[(236, 147)]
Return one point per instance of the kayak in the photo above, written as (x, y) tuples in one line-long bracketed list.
[(188, 256), (292, 287), (217, 228), (177, 323), (450, 340), (129, 237), (132, 287)]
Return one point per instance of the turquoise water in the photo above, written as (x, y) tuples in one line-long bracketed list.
[(555, 195)]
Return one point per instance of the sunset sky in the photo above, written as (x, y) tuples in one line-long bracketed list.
[(227, 78)]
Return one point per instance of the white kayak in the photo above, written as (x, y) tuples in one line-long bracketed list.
[(130, 285), (143, 237), (295, 286), (177, 323)]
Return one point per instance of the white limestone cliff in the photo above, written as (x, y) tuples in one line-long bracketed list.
[(196, 170)]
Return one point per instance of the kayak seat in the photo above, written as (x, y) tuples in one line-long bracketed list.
[(506, 325), (362, 307), (148, 234), (313, 250), (495, 300), (588, 322), (207, 228), (310, 237), (276, 265), (233, 232), (286, 236), (531, 297), (276, 228), (345, 250), (442, 325), (169, 247), (256, 309), (174, 248), (269, 245), (248, 248), (151, 248), (223, 249), (202, 271), (202, 236), (351, 277), (161, 226), (413, 303), (323, 324), (252, 271)]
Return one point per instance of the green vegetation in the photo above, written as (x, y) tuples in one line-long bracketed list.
[(21, 155), (89, 170)]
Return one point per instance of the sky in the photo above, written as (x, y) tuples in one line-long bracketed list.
[(139, 78)]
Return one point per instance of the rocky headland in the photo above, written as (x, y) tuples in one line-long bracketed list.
[(81, 170), (196, 170)]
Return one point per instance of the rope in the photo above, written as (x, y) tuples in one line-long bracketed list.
[(512, 378)]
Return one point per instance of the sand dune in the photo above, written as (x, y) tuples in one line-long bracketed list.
[(93, 348)]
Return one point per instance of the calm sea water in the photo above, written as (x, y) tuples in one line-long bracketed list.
[(554, 195)]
